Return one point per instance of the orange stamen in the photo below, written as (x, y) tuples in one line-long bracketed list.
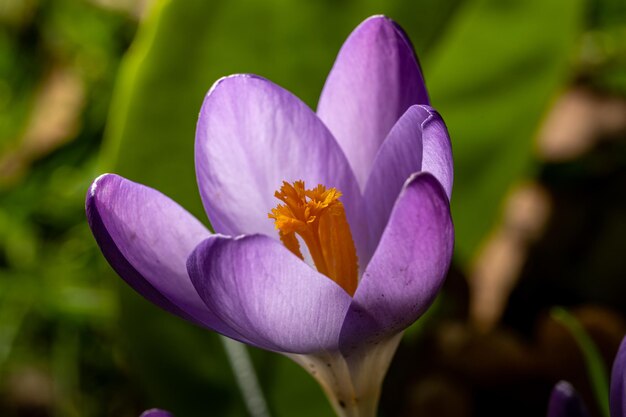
[(319, 218)]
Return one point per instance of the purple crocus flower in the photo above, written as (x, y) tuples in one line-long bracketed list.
[(359, 236), (565, 402)]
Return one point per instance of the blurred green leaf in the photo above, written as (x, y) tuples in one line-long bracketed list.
[(593, 360), (13, 311), (492, 77)]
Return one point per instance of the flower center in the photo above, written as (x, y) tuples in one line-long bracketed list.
[(319, 218)]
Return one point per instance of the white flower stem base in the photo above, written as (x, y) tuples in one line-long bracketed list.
[(352, 382)]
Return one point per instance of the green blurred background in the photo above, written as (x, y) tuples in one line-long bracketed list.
[(533, 93)]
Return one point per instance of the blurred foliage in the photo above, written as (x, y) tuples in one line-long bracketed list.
[(57, 306), (95, 348), (602, 53), (492, 77)]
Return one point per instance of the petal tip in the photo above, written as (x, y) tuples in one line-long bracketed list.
[(95, 190), (381, 22), (380, 19), (423, 177), (565, 387), (96, 183), (155, 412), (565, 402), (229, 78), (426, 111)]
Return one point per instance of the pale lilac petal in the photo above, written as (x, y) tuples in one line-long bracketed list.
[(267, 294), (418, 142), (618, 383), (408, 268), (251, 136), (565, 402), (399, 157), (374, 80), (155, 412), (437, 153), (147, 238)]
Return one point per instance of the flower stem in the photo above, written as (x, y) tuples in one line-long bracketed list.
[(352, 384), (246, 377)]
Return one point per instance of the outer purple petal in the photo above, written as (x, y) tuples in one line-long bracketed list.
[(408, 267), (618, 383), (146, 237), (399, 157), (565, 402), (376, 77), (267, 294), (437, 154), (418, 142), (251, 136), (155, 412)]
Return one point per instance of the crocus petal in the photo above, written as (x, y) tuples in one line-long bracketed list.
[(155, 412), (251, 136), (437, 150), (147, 237), (398, 157), (408, 267), (374, 80), (618, 383), (418, 142), (565, 402), (267, 294)]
